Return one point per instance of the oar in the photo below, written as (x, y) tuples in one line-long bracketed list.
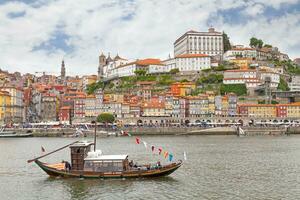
[(29, 161)]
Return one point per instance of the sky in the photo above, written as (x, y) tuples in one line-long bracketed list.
[(35, 35)]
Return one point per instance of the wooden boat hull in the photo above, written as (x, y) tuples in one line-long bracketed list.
[(15, 135), (164, 171)]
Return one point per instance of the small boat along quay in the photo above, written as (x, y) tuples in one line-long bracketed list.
[(247, 130)]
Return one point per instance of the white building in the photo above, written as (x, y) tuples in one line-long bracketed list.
[(294, 85), (192, 62), (252, 78), (240, 52), (193, 42)]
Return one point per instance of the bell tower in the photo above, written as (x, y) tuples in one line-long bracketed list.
[(63, 70), (102, 62)]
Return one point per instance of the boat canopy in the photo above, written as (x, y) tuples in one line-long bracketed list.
[(82, 144), (106, 157)]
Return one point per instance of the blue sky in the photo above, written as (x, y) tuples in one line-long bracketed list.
[(36, 34)]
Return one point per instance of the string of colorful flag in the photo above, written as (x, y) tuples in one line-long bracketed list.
[(164, 153)]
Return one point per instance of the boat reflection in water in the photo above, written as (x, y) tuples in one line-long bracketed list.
[(93, 164)]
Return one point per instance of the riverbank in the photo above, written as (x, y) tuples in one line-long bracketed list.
[(66, 132)]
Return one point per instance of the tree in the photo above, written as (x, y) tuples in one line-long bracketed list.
[(140, 72), (238, 89), (256, 43), (174, 71), (184, 81), (106, 118), (111, 85), (268, 46), (283, 86), (91, 88), (226, 42)]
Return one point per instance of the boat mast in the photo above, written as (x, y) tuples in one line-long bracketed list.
[(95, 133)]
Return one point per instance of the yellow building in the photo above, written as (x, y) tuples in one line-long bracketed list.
[(5, 103), (90, 106), (242, 63), (293, 110), (225, 105), (262, 110), (211, 102)]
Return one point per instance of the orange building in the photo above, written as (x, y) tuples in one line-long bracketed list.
[(182, 89)]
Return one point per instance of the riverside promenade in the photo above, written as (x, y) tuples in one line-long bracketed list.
[(66, 132)]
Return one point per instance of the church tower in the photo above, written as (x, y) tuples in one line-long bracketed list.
[(102, 63), (63, 70)]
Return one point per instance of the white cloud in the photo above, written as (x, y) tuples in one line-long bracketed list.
[(134, 29), (254, 9)]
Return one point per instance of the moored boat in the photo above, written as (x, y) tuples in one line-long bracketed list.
[(93, 164), (13, 134)]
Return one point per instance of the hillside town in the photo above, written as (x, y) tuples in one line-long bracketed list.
[(207, 77)]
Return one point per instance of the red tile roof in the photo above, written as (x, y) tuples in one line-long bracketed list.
[(192, 56)]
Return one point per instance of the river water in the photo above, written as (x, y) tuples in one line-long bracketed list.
[(217, 167)]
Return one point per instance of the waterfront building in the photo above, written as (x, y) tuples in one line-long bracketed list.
[(79, 107), (90, 106), (135, 110), (172, 106), (64, 114), (211, 102), (197, 106), (49, 107), (293, 110), (218, 105), (17, 104), (232, 104), (5, 103), (194, 42), (258, 110), (184, 107), (125, 112), (153, 108), (270, 110), (225, 106), (114, 108)]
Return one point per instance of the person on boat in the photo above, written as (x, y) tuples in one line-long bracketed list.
[(67, 165), (158, 164), (131, 163)]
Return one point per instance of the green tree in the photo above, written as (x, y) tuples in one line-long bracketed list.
[(184, 81), (91, 88), (140, 72), (283, 86), (111, 85), (238, 89), (106, 118), (268, 46), (256, 43), (226, 42), (174, 71)]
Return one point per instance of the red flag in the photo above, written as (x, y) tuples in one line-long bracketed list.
[(166, 154), (43, 150), (152, 147), (159, 150), (137, 140)]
